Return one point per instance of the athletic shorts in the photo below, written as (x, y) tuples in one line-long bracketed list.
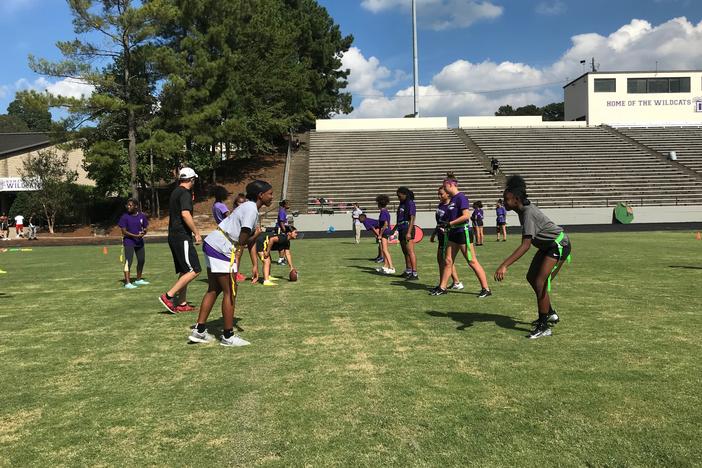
[(184, 255), (552, 250), (478, 222), (463, 237), (402, 232), (216, 261), (499, 224)]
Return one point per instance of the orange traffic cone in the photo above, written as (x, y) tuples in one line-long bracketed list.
[(104, 250), (698, 236)]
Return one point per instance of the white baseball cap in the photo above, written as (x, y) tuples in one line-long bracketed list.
[(187, 173)]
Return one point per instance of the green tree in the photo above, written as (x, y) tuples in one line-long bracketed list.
[(49, 173), (33, 109), (120, 33), (12, 124), (554, 112), (550, 112)]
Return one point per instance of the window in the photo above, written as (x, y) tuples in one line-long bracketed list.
[(605, 85), (658, 85)]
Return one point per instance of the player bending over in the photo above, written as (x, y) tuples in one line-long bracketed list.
[(554, 248)]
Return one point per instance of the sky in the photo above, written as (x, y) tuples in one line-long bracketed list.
[(474, 55)]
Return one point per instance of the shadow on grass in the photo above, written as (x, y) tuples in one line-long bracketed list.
[(215, 326), (467, 319), (368, 269), (412, 285), (686, 267)]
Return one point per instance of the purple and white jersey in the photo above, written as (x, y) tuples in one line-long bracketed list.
[(501, 213), (219, 211), (479, 214), (282, 217), (405, 211), (458, 203), (441, 212), (133, 224), (383, 218)]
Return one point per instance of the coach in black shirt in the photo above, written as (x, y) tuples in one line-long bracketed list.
[(181, 229)]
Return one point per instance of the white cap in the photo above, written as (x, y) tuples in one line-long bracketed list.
[(187, 173)]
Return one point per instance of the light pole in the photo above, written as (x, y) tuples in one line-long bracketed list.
[(414, 54)]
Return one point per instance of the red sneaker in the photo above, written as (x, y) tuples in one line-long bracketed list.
[(167, 303), (240, 278), (184, 308)]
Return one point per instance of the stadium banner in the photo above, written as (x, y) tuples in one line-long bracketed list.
[(16, 184)]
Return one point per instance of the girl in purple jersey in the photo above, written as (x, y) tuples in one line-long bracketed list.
[(477, 219), (371, 225), (383, 234), (441, 234), (459, 239), (406, 213), (134, 225), (220, 209), (501, 221), (281, 227)]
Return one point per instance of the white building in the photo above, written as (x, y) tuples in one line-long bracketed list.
[(636, 98)]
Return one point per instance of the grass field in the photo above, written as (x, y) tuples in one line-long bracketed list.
[(349, 368)]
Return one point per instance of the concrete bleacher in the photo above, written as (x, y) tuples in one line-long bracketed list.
[(685, 141), (585, 167), (358, 165)]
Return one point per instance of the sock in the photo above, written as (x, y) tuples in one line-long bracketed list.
[(170, 298), (414, 272), (408, 270), (201, 327), (228, 333)]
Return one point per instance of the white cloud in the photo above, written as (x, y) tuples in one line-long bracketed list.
[(67, 87), (441, 14), (466, 88), (367, 76), (551, 8)]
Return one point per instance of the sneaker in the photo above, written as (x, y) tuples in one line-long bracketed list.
[(438, 291), (282, 261), (130, 286), (184, 308), (234, 340), (197, 337), (457, 286), (405, 274), (412, 277), (141, 282), (268, 283), (379, 260), (389, 271), (484, 293), (552, 318), (540, 330), (167, 303)]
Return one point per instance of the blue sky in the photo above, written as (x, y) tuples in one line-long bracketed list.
[(474, 54)]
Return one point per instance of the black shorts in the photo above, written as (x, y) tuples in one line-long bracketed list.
[(553, 251), (402, 233), (463, 236), (499, 224), (478, 223), (184, 254)]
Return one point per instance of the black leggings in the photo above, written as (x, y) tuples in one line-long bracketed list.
[(129, 251)]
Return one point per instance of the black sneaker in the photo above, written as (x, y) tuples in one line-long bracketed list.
[(405, 274), (438, 291), (540, 330), (412, 277), (484, 293)]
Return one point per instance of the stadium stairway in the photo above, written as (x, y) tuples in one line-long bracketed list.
[(685, 141), (347, 167), (298, 179), (585, 167)]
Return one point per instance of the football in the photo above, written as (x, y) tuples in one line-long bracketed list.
[(293, 275)]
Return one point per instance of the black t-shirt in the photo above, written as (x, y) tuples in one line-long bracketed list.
[(181, 200)]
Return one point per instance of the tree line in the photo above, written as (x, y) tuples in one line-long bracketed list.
[(191, 82)]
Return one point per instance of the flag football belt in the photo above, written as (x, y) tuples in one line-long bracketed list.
[(233, 269), (466, 230), (558, 241)]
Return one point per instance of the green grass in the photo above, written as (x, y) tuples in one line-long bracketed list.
[(349, 368)]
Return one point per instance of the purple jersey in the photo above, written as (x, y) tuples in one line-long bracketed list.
[(370, 224), (282, 217), (501, 215), (441, 211), (458, 203), (405, 211), (219, 211), (133, 224), (383, 218)]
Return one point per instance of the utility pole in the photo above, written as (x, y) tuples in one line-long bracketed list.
[(594, 69), (414, 54)]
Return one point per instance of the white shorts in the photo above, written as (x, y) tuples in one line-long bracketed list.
[(216, 265)]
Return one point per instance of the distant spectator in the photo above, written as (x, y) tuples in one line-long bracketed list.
[(238, 200), (357, 226), (19, 226), (220, 209), (4, 227), (32, 235), (495, 165)]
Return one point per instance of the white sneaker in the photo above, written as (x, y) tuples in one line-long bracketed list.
[(457, 286), (234, 340), (197, 337), (389, 271)]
